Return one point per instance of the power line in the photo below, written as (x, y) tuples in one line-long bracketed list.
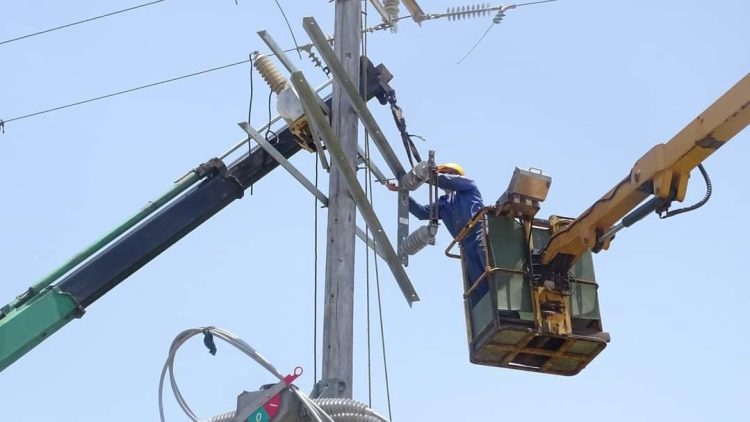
[(281, 9), (77, 103), (80, 22)]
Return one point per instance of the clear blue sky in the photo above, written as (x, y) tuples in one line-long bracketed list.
[(580, 89)]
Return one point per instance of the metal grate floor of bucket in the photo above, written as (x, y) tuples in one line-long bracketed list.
[(529, 351)]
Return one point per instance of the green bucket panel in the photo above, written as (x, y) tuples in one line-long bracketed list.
[(505, 243), (539, 238), (481, 315), (584, 301), (513, 294), (584, 268)]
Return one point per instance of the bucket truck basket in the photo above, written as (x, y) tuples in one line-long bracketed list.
[(512, 319)]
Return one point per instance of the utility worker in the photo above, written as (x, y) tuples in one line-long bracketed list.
[(460, 202)]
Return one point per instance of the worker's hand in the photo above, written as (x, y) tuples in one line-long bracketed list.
[(391, 186)]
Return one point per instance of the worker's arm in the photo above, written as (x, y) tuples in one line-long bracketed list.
[(455, 182), (418, 210)]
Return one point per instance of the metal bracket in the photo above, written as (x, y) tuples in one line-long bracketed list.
[(381, 10), (276, 155), (360, 107), (403, 224), (358, 104), (316, 118), (379, 176), (370, 242), (266, 37), (415, 11), (212, 166)]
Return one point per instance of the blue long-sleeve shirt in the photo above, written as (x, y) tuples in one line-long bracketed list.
[(455, 208)]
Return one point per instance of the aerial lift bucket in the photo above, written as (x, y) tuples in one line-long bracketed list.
[(520, 320)]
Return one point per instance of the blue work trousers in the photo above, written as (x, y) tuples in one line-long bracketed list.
[(474, 259)]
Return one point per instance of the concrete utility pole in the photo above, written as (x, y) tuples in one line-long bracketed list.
[(338, 327)]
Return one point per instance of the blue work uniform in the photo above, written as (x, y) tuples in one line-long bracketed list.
[(456, 209)]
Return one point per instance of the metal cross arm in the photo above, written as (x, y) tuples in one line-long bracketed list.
[(414, 10), (358, 104), (273, 152), (317, 119), (364, 158), (360, 107), (271, 43)]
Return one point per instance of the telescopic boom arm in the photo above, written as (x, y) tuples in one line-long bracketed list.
[(663, 172)]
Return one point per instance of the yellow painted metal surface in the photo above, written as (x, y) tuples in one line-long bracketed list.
[(666, 167)]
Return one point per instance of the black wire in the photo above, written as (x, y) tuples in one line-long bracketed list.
[(382, 337), (127, 91), (80, 22), (702, 202), (368, 181), (281, 9), (275, 136), (270, 118)]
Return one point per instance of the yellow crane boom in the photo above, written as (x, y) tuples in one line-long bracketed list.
[(662, 172)]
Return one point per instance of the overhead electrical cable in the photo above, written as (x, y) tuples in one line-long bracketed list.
[(281, 9), (382, 326), (461, 13), (369, 193), (126, 91), (114, 94), (80, 22)]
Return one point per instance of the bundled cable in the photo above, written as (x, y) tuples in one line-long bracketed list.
[(320, 410)]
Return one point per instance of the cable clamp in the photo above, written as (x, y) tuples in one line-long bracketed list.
[(208, 340), (2, 125)]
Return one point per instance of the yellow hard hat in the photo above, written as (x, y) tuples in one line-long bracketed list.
[(451, 166)]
